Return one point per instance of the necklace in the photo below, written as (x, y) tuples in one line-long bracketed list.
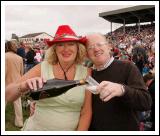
[(65, 71)]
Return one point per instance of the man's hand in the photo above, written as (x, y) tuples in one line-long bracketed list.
[(108, 90)]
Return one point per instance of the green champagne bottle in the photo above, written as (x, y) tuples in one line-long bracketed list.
[(54, 87)]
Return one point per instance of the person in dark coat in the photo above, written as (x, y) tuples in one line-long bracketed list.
[(30, 54), (150, 82), (21, 50)]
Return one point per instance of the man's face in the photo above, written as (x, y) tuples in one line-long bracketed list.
[(98, 49)]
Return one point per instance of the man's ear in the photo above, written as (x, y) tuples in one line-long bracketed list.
[(110, 49), (110, 46)]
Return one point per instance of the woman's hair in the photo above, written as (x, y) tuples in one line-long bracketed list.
[(10, 46), (29, 46), (52, 58)]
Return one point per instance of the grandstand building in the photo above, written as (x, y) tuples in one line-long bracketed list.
[(131, 15)]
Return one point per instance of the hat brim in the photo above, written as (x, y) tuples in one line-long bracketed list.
[(82, 40)]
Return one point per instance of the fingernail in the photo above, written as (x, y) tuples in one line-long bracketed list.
[(35, 89)]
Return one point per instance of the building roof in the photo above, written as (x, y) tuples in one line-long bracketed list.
[(33, 35), (146, 13)]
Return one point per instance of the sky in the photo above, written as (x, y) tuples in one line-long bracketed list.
[(22, 18), (25, 19)]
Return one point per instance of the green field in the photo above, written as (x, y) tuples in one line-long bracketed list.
[(9, 117)]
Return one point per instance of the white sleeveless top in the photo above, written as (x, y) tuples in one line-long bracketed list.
[(60, 113)]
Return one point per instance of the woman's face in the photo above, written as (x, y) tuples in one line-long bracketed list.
[(66, 52)]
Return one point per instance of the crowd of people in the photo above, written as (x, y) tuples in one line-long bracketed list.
[(120, 63), (135, 46), (30, 54)]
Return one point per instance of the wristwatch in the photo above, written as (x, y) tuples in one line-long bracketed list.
[(123, 90)]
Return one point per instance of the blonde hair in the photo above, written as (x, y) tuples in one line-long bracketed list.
[(29, 46), (52, 58)]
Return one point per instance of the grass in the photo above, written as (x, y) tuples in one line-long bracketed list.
[(10, 115)]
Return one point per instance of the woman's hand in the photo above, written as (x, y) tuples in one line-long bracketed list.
[(35, 83), (32, 107)]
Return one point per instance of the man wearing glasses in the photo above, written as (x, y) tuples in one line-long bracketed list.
[(122, 93)]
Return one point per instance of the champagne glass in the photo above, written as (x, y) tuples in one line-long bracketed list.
[(92, 85)]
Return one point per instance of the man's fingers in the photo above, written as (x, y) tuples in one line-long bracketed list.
[(104, 93), (110, 96), (104, 83)]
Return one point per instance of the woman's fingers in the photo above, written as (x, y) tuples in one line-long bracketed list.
[(35, 83), (29, 83), (32, 108)]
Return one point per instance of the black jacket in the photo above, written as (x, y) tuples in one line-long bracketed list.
[(120, 113)]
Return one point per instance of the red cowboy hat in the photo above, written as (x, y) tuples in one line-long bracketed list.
[(65, 34)]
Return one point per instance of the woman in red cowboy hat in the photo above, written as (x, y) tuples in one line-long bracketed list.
[(71, 110)]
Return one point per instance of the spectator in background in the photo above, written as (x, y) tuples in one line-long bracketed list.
[(116, 52), (21, 51), (140, 62), (38, 56), (149, 79), (146, 69), (13, 71), (30, 54)]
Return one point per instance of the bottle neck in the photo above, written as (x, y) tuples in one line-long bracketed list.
[(81, 82)]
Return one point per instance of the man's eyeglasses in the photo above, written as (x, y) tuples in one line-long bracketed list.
[(99, 45)]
